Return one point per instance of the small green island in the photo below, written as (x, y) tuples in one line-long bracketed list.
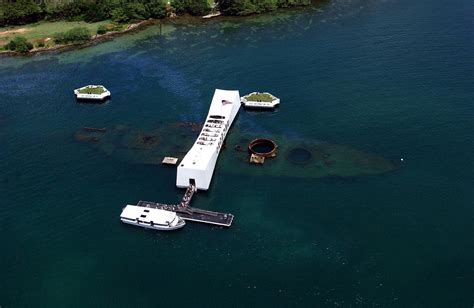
[(260, 97), (92, 90), (92, 93), (260, 100)]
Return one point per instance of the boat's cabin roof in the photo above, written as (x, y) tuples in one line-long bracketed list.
[(145, 214)]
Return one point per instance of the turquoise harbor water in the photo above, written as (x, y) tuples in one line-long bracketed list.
[(394, 78)]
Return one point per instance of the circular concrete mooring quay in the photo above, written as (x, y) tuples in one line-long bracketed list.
[(263, 147)]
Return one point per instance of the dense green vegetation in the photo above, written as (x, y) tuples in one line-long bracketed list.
[(247, 7), (27, 11), (19, 44), (102, 29), (92, 90), (259, 97), (75, 35)]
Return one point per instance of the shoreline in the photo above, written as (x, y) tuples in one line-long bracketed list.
[(95, 39), (134, 27)]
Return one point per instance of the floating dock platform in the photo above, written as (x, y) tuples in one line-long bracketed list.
[(169, 160), (193, 214), (184, 211)]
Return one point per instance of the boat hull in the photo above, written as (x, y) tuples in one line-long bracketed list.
[(155, 227)]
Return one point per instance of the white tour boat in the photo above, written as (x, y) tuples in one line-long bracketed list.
[(151, 218)]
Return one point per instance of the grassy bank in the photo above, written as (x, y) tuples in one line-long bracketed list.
[(43, 32)]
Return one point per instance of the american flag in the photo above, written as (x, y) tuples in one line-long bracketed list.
[(225, 102)]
